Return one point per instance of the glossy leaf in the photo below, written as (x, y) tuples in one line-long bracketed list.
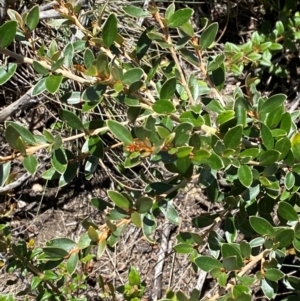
[(71, 119), (268, 157), (6, 72), (33, 17), (233, 137), (110, 30), (274, 274), (296, 146), (120, 131), (144, 204), (149, 226), (208, 36), (30, 163), (168, 88), (261, 226), (119, 199), (72, 263), (266, 136), (245, 175), (284, 237), (207, 263), (163, 107), (59, 160), (272, 103), (287, 211), (269, 288), (179, 17), (26, 135), (4, 172), (8, 32), (53, 82), (131, 76)]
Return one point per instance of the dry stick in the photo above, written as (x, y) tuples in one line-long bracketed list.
[(174, 56), (23, 100), (157, 291)]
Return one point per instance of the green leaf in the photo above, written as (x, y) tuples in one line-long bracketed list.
[(26, 135), (231, 250), (261, 226), (233, 137), (207, 263), (6, 72), (183, 248), (88, 57), (163, 107), (144, 204), (131, 76), (269, 288), (143, 44), (30, 163), (11, 135), (284, 237), (266, 136), (33, 17), (4, 172), (110, 30), (149, 226), (39, 68), (39, 87), (283, 145), (202, 221), (180, 17), (296, 146), (7, 33), (289, 180), (170, 11), (225, 116), (101, 248), (272, 103), (72, 263), (274, 274), (68, 55), (134, 277), (169, 212), (69, 174), (193, 118), (245, 175), (96, 147), (268, 157), (53, 82), (135, 11), (71, 119), (208, 36), (119, 199), (59, 160), (168, 89), (287, 211), (120, 131)]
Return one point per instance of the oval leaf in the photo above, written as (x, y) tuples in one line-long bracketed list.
[(245, 175), (168, 89), (119, 199), (207, 263), (110, 30), (180, 17), (6, 72), (163, 107), (233, 137), (120, 131), (287, 211), (33, 17), (7, 33), (272, 103), (208, 36), (261, 226), (71, 119)]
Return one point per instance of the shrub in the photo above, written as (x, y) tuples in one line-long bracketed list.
[(242, 149)]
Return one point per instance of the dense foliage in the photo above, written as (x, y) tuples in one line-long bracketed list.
[(170, 126)]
